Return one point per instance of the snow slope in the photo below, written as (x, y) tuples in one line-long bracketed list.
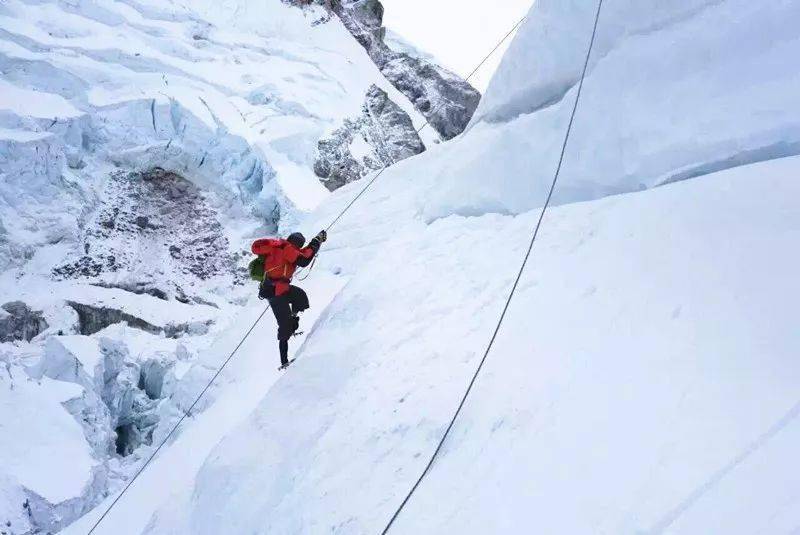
[(233, 397), (645, 380)]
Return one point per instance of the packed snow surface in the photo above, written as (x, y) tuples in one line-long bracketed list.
[(28, 454), (237, 393), (644, 380)]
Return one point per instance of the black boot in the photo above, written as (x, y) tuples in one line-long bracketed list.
[(296, 326)]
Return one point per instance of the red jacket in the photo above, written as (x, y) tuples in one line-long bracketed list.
[(281, 258)]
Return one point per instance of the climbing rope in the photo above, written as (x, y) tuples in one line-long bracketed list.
[(426, 123), (250, 330), (310, 267), (513, 287), (382, 169)]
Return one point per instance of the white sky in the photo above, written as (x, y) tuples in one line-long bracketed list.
[(458, 32)]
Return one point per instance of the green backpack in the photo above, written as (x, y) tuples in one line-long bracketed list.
[(257, 268)]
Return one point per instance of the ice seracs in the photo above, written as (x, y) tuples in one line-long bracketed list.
[(672, 92)]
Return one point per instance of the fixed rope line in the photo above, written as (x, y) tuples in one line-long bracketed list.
[(426, 123), (513, 287), (485, 59), (175, 427), (499, 43), (250, 330)]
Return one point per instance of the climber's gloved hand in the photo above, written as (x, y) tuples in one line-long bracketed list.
[(316, 241)]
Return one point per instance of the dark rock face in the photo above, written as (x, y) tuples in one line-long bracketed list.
[(383, 132), (93, 319), (136, 288), (446, 100), (150, 219), (19, 322)]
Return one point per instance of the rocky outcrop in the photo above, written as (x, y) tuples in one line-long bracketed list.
[(19, 322), (382, 135), (446, 100), (93, 319), (153, 218)]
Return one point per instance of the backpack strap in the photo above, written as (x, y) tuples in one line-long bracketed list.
[(267, 272)]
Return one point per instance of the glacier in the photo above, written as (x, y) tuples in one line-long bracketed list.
[(644, 381), (143, 144)]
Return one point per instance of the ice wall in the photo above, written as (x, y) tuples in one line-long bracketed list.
[(674, 90)]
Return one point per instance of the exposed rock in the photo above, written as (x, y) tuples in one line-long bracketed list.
[(138, 288), (192, 328), (150, 218), (93, 319), (446, 100), (19, 322), (142, 221), (382, 135)]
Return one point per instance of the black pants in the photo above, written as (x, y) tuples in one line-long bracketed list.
[(285, 307)]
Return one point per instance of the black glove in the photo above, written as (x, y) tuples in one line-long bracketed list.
[(316, 241)]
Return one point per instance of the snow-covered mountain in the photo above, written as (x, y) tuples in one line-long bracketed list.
[(645, 379), (143, 144)]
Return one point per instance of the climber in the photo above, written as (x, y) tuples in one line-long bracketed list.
[(274, 266)]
